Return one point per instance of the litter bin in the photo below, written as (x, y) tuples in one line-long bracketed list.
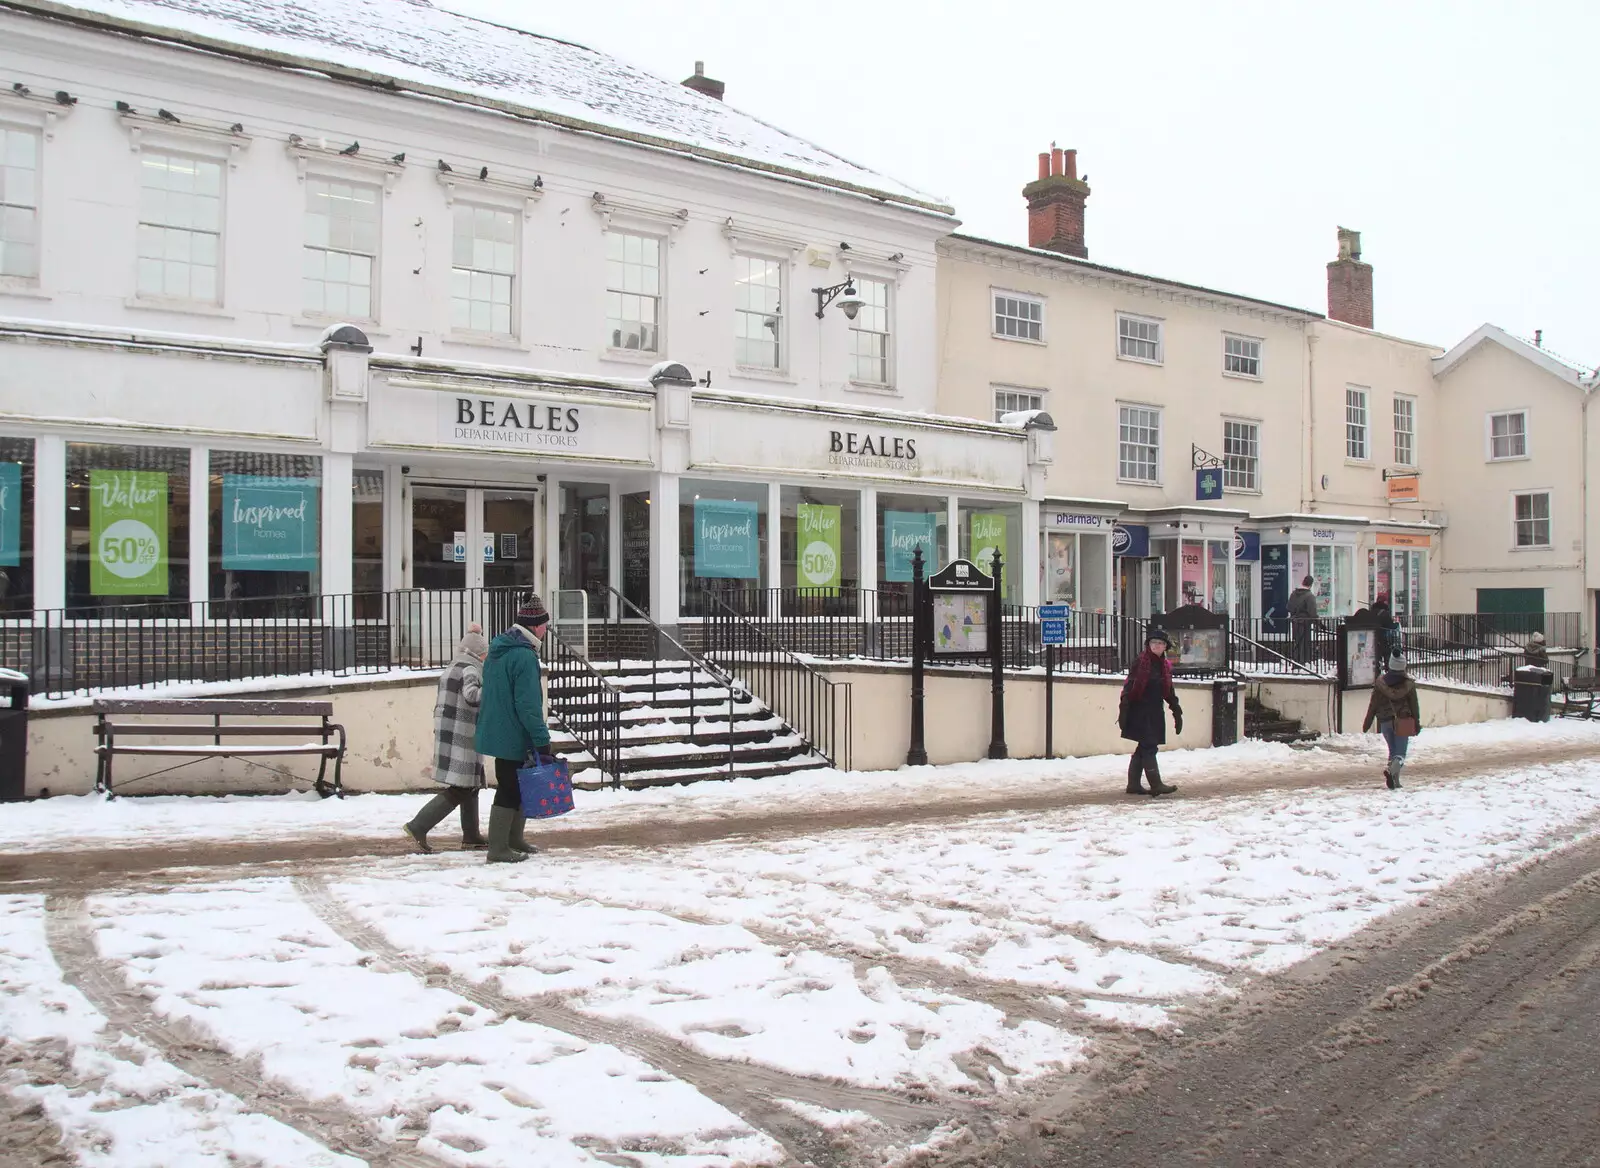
[(13, 736), (1224, 711), (1530, 693)]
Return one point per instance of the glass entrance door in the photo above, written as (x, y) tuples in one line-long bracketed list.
[(474, 537)]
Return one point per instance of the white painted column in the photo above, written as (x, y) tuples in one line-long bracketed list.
[(396, 529), (338, 527), (199, 526), (50, 522), (774, 547), (867, 539), (1229, 584), (547, 574), (613, 553), (1032, 565), (664, 599)]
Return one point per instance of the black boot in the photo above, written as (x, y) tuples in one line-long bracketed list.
[(1153, 772), (428, 818), (1135, 770), (471, 834)]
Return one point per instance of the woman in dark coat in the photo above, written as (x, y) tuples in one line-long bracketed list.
[(1142, 719)]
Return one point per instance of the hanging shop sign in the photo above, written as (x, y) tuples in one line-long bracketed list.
[(10, 514), (127, 533), (1404, 489), (817, 527), (1401, 539), (1131, 540), (726, 546), (903, 533), (269, 524), (1246, 547), (987, 533), (1207, 484)]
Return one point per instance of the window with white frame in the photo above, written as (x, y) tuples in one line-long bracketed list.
[(869, 333), (1405, 431), (1013, 401), (1138, 338), (1241, 455), (180, 228), (1508, 434), (1139, 444), (758, 312), (340, 259), (1241, 356), (1533, 519), (483, 270), (19, 202), (633, 292), (1017, 317), (1356, 445)]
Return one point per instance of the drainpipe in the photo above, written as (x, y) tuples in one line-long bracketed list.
[(1308, 495), (1587, 618)]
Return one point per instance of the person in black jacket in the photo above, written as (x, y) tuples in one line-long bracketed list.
[(1141, 718), (1388, 628), (1302, 617)]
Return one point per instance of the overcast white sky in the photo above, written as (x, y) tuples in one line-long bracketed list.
[(1223, 141)]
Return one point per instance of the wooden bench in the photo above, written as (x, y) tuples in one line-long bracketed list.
[(1578, 695), (118, 719)]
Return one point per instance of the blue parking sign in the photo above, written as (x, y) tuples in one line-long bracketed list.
[(1053, 623)]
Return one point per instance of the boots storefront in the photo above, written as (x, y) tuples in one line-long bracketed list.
[(279, 483)]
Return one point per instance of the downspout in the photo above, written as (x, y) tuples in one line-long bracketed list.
[(1589, 609), (1308, 494)]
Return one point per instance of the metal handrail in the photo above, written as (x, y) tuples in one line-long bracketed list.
[(1255, 647), (594, 720), (821, 712)]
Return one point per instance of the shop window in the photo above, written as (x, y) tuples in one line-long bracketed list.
[(585, 545), (127, 530), (636, 550), (906, 523), (16, 524), (366, 543), (819, 551), (1402, 576), (722, 546), (264, 533), (1075, 570), (990, 528)]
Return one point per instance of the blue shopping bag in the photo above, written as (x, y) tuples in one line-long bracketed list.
[(546, 788)]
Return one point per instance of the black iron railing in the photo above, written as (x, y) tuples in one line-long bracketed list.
[(817, 708), (586, 704)]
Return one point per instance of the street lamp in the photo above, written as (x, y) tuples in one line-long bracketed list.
[(850, 301)]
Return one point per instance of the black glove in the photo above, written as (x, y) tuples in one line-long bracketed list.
[(1177, 720)]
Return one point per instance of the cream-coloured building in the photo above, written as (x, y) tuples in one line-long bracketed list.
[(1216, 449)]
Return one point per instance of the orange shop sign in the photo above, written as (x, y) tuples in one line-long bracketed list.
[(1403, 539), (1404, 489)]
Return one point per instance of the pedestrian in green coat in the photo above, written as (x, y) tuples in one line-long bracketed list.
[(511, 725)]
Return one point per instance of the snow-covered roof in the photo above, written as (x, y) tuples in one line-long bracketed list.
[(1584, 377), (417, 47)]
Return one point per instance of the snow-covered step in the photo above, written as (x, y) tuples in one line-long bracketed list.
[(637, 780)]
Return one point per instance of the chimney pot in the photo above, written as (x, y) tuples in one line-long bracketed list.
[(1055, 160), (1056, 204), (1071, 170), (1044, 164)]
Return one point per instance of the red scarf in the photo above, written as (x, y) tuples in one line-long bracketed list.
[(1139, 679)]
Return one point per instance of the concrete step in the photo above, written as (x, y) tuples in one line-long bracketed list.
[(639, 780)]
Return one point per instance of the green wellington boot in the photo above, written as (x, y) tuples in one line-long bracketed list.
[(471, 834), (501, 821), (518, 843), (427, 819)]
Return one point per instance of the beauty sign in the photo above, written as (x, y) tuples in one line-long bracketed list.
[(903, 533), (725, 540), (817, 545), (127, 533), (988, 534), (10, 514), (269, 524)]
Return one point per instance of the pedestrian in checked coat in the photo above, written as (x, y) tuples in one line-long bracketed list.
[(456, 765), (1142, 719)]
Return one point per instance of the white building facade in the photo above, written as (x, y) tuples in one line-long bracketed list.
[(318, 308)]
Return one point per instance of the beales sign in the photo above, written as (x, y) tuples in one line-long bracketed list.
[(510, 423), (848, 448)]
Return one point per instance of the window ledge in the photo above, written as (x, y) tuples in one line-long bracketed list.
[(22, 289), (1364, 463), (484, 340), (871, 387), (182, 307), (1140, 360), (755, 373), (632, 356), (1242, 491), (1019, 340), (1509, 458), (1534, 547), (323, 323), (1138, 482), (1242, 376)]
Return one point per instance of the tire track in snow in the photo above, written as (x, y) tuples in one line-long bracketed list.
[(70, 932), (753, 1093)]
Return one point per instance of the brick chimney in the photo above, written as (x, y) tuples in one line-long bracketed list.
[(1055, 204), (1350, 283), (700, 83)]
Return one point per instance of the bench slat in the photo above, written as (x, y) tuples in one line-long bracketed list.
[(225, 751), (178, 729), (223, 706)]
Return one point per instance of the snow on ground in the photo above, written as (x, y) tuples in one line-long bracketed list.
[(70, 821), (954, 960)]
